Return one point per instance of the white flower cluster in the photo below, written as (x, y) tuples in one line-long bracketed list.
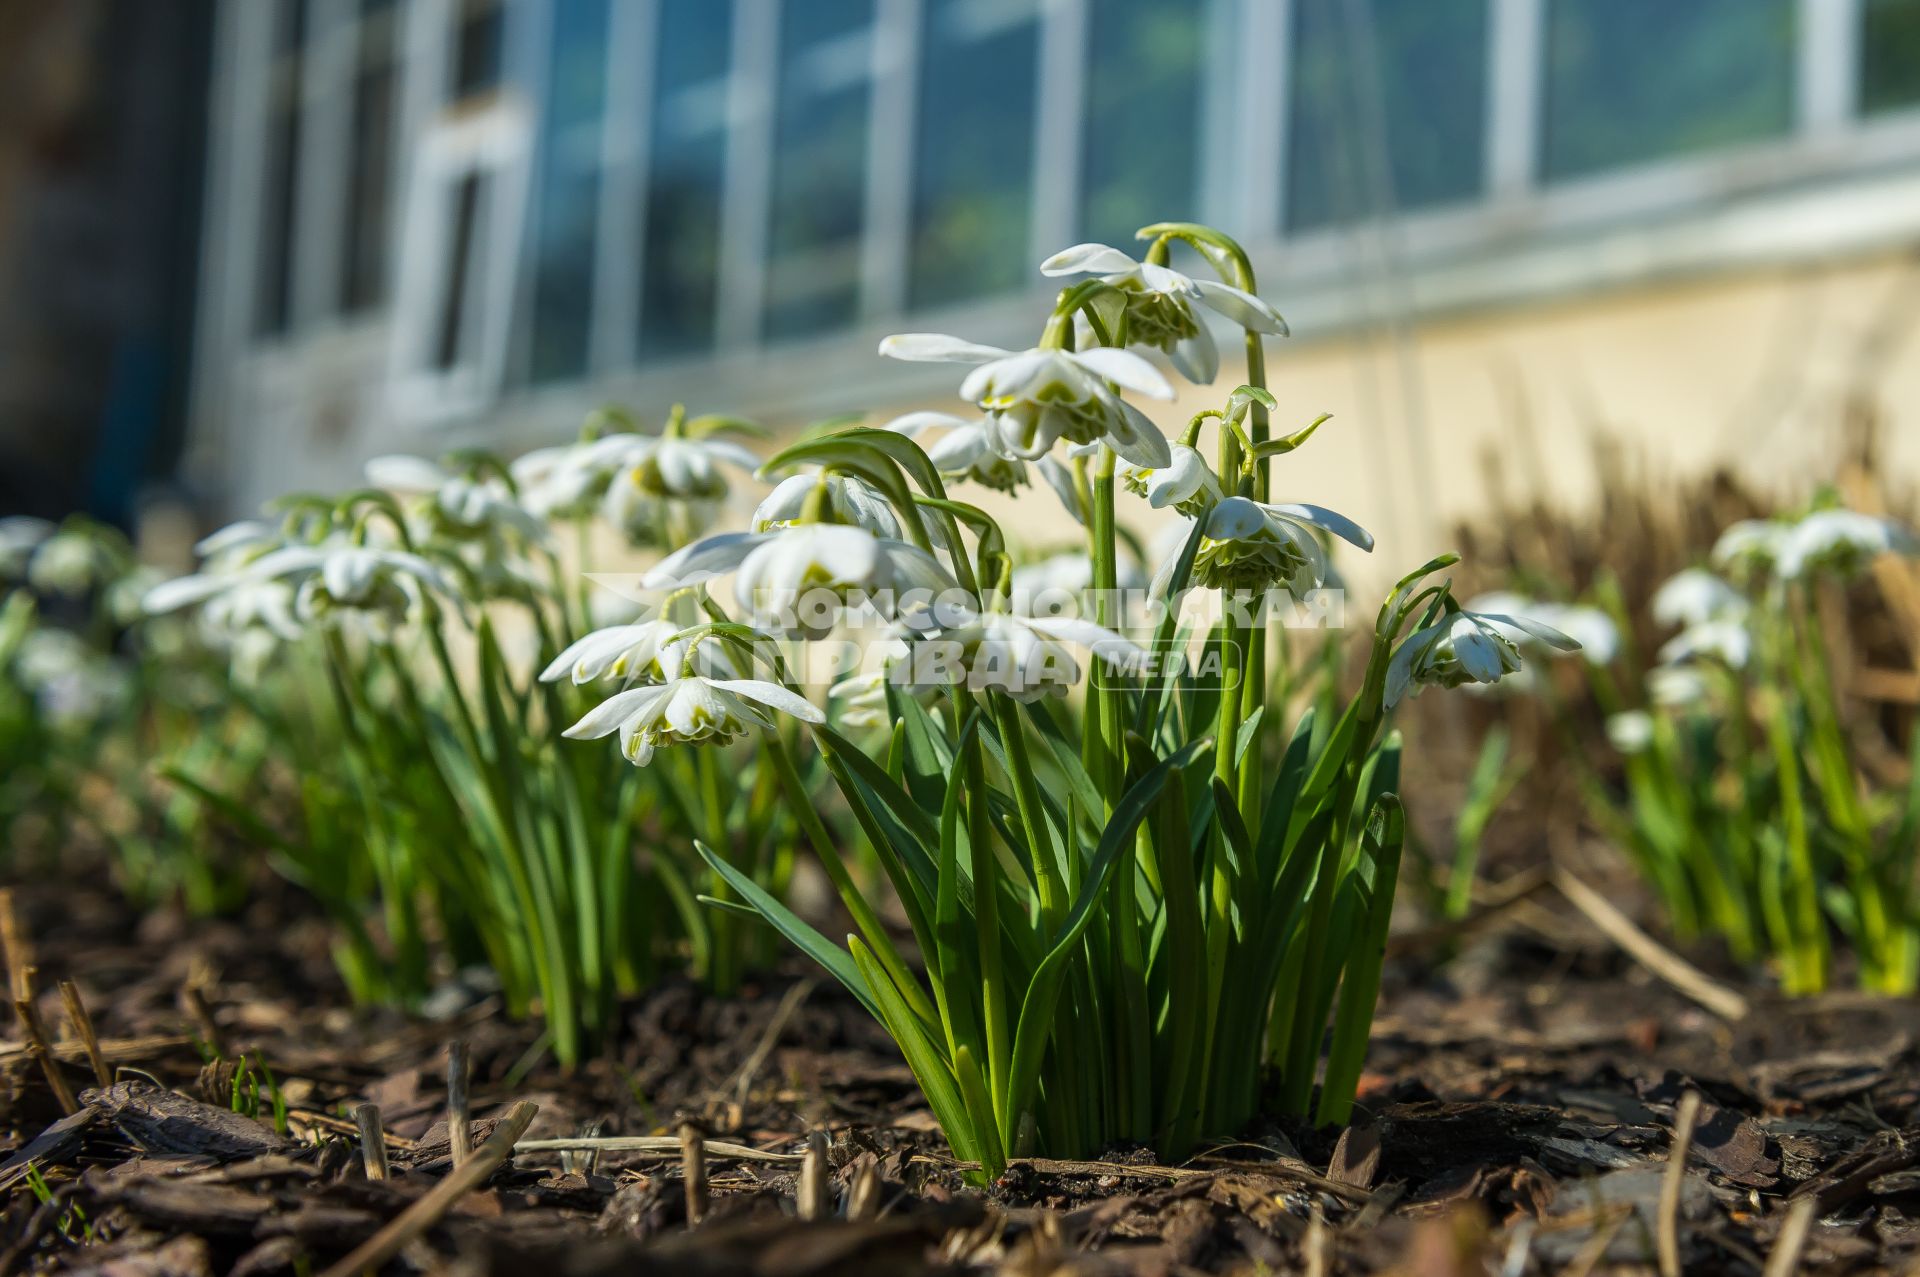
[(1716, 618)]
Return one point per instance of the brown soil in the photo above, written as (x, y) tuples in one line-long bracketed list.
[(1520, 1110)]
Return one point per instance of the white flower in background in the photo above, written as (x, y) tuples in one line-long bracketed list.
[(1749, 545), (19, 535), (1034, 398), (669, 475), (72, 684), (688, 708), (625, 652), (1186, 483), (1674, 686), (965, 451), (1837, 541), (1464, 647), (1160, 306), (1070, 571), (1630, 731), (1591, 628), (570, 480), (848, 500), (1025, 657), (862, 699), (74, 560), (458, 506), (125, 599), (1251, 546), (1728, 642), (795, 578), (1696, 596)]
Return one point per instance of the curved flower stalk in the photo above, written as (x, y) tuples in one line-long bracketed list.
[(1158, 306)]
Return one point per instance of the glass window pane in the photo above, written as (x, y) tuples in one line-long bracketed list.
[(974, 158), (1142, 139), (687, 164), (273, 280), (479, 41), (569, 190), (1637, 80), (1889, 55), (363, 280), (1389, 107), (820, 165)]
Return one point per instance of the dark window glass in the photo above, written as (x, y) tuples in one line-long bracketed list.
[(450, 330), (479, 44), (1142, 157), (686, 171), (569, 190), (1636, 80), (1388, 108), (273, 297), (974, 159), (370, 160), (1889, 55), (819, 166)]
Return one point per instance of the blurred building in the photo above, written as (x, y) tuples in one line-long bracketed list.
[(1493, 224), (102, 124)]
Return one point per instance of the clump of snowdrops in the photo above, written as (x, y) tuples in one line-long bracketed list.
[(1747, 800), (1125, 902), (408, 651)]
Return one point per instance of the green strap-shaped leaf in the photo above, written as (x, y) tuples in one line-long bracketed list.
[(787, 923), (1036, 1011)]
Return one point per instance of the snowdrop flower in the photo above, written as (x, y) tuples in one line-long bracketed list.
[(1464, 647), (1696, 596), (1186, 483), (688, 708), (1630, 731), (847, 499), (75, 559), (1838, 541), (1592, 629), (1069, 572), (672, 472), (965, 451), (1034, 398), (1675, 686), (72, 684), (797, 577), (570, 481), (457, 506), (1749, 545), (1025, 657), (1160, 306), (862, 699), (626, 652), (1251, 546), (1725, 641), (19, 535)]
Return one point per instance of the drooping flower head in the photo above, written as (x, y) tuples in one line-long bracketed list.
[(1840, 542), (1250, 546), (1035, 398), (1695, 596), (688, 708), (964, 451), (1464, 647), (1160, 306)]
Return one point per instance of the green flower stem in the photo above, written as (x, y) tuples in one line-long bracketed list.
[(864, 919)]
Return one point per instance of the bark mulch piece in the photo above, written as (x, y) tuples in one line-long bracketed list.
[(1518, 1118)]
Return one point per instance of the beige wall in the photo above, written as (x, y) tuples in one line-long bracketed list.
[(1751, 369)]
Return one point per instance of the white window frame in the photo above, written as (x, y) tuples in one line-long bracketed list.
[(490, 140)]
